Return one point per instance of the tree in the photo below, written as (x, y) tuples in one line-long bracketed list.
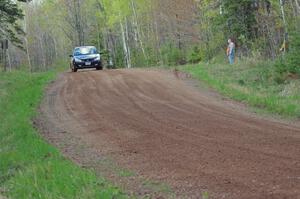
[(158, 32), (10, 13)]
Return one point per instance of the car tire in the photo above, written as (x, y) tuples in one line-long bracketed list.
[(74, 70), (100, 67)]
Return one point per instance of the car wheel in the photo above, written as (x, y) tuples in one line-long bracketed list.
[(100, 67), (74, 70)]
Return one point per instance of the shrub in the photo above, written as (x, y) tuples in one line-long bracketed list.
[(194, 55), (290, 63), (172, 55), (293, 58)]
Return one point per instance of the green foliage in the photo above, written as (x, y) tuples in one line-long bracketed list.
[(137, 58), (291, 62), (119, 57), (255, 83), (172, 55), (153, 58), (9, 16), (239, 17), (29, 167), (195, 55)]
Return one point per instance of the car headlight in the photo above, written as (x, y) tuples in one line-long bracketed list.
[(77, 60), (97, 58)]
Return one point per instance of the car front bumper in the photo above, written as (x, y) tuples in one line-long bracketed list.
[(87, 64)]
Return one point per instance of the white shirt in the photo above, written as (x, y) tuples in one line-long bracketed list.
[(231, 47)]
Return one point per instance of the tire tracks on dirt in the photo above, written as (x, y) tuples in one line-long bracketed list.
[(163, 129)]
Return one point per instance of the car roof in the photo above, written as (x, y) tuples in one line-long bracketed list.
[(84, 47)]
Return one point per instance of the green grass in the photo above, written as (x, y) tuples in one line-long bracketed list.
[(256, 84), (29, 167), (114, 168)]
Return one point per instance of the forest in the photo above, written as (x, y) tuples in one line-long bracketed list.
[(140, 33), (172, 115)]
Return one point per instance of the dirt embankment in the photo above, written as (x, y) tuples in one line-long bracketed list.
[(163, 129)]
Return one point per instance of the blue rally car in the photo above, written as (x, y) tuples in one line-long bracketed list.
[(85, 57)]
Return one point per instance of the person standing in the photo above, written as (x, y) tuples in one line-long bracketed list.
[(231, 51)]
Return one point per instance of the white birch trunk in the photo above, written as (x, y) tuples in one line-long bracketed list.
[(127, 41), (128, 64), (284, 22), (138, 35), (297, 6)]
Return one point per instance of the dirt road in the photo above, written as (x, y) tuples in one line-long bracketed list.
[(164, 129)]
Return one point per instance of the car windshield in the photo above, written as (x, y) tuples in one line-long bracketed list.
[(85, 51)]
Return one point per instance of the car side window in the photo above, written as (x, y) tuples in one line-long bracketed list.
[(94, 51), (77, 52)]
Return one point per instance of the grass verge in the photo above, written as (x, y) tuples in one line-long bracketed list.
[(256, 84), (29, 167)]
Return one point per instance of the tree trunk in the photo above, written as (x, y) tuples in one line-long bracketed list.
[(138, 35), (9, 61), (284, 23), (43, 53), (297, 6), (26, 40), (125, 47), (78, 22)]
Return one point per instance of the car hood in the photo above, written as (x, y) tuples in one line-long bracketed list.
[(87, 56)]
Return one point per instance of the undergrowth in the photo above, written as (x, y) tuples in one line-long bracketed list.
[(255, 83), (29, 167)]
